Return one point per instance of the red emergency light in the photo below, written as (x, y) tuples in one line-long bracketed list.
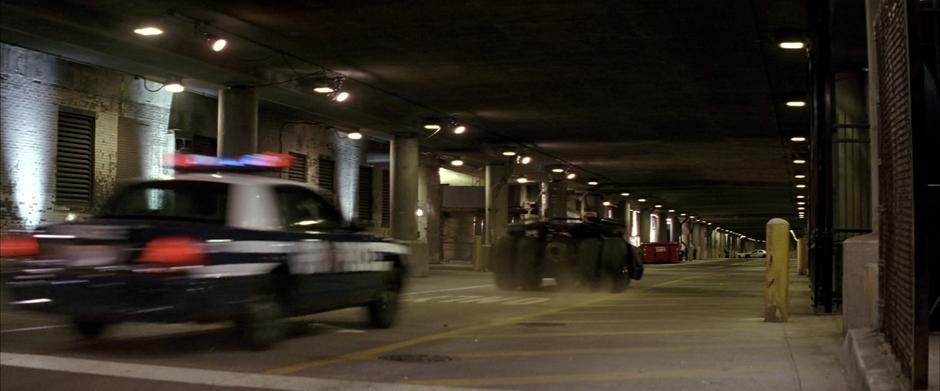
[(265, 160)]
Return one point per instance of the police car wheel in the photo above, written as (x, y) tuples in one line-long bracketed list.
[(260, 324), (90, 329), (384, 310)]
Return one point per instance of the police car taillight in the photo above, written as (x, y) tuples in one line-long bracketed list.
[(18, 246), (174, 251)]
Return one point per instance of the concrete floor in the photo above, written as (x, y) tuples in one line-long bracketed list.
[(693, 325)]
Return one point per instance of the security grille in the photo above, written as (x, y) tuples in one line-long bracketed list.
[(75, 163), (298, 167), (365, 193), (325, 177), (386, 199), (899, 277)]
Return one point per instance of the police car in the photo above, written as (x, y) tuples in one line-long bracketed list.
[(209, 246)]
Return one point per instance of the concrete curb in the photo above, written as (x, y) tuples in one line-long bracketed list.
[(869, 363)]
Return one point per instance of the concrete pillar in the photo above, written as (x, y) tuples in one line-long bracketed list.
[(777, 277), (627, 219), (497, 202), (662, 230), (238, 121), (404, 200), (644, 226), (554, 199), (429, 200)]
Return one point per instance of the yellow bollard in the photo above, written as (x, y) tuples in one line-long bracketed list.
[(478, 253), (777, 277), (802, 266)]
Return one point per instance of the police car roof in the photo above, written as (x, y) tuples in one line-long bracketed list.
[(235, 179)]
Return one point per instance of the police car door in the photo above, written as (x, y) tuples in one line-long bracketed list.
[(324, 264)]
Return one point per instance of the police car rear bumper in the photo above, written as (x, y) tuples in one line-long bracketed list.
[(134, 297)]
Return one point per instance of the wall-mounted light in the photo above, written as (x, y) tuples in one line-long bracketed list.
[(796, 103), (148, 31), (456, 162)]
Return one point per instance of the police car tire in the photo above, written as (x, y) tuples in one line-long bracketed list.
[(384, 310), (260, 324), (589, 261), (529, 264), (90, 329), (502, 263), (613, 259)]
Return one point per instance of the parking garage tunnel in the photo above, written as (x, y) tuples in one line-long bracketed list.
[(448, 126)]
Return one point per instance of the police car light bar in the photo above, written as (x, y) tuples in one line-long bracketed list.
[(266, 160)]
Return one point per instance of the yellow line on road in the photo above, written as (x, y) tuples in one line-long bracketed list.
[(651, 349), (588, 377), (369, 354), (601, 333), (665, 310), (654, 320)]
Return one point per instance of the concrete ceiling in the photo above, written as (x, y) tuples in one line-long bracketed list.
[(680, 102)]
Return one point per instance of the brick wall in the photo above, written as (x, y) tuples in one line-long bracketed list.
[(33, 86)]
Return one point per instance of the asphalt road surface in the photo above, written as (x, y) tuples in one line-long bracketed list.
[(685, 326)]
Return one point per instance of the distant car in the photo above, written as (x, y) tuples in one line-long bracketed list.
[(759, 253), (209, 247)]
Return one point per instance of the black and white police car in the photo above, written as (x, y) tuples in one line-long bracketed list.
[(209, 247)]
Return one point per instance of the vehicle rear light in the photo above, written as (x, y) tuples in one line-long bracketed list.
[(174, 251), (18, 246)]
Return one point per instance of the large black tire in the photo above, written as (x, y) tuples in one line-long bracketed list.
[(384, 310), (589, 261), (529, 264), (90, 329), (561, 257), (502, 263), (613, 259), (260, 323)]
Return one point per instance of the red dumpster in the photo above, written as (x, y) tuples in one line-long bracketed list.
[(660, 252)]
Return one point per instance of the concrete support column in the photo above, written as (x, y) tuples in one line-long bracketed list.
[(627, 219), (662, 230), (429, 200), (238, 121), (404, 188), (644, 226), (497, 202), (554, 199)]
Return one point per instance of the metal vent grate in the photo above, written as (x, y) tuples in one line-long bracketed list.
[(386, 199), (298, 167), (75, 164), (365, 193), (326, 179)]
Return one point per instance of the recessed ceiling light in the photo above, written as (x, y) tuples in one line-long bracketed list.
[(691, 217), (509, 153), (341, 97), (525, 160), (217, 44), (323, 90), (672, 211), (148, 31), (658, 206), (801, 202), (558, 170), (522, 180), (174, 87), (798, 139), (456, 162), (459, 129), (625, 194), (792, 45), (354, 135), (799, 176), (800, 186), (800, 208), (593, 183), (799, 161), (796, 103), (606, 203), (681, 214), (800, 196), (641, 200)]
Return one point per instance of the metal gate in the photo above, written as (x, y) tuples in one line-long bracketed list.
[(903, 271)]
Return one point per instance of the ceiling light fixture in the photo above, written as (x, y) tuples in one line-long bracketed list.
[(217, 44), (799, 176), (558, 170), (341, 97), (148, 31), (799, 161), (796, 103), (641, 200), (174, 87), (672, 211), (800, 208), (509, 153), (800, 196), (354, 135), (792, 45), (459, 129), (658, 206), (571, 175), (798, 139), (524, 159), (522, 179), (800, 186), (624, 194), (323, 89), (606, 203), (456, 162), (682, 214), (801, 203), (593, 183)]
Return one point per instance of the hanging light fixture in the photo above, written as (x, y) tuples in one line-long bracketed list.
[(174, 86), (341, 96), (571, 176), (456, 162), (354, 135), (523, 159), (148, 31), (215, 43)]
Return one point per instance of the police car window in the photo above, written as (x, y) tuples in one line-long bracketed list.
[(302, 209), (170, 200)]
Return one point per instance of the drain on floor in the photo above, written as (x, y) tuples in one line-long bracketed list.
[(424, 358), (540, 324)]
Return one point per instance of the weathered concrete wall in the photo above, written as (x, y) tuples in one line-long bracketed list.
[(33, 88)]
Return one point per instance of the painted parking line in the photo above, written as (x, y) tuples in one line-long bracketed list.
[(447, 290), (191, 376), (36, 328), (649, 349), (581, 378), (604, 333), (476, 299)]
